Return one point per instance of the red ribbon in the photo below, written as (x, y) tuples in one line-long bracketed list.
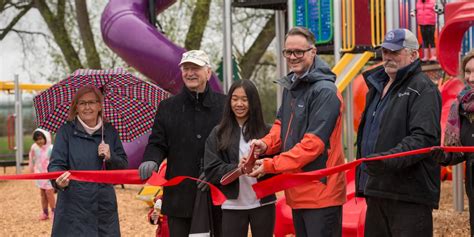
[(262, 189), (117, 177), (285, 181)]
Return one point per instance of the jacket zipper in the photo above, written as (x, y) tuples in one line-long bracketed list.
[(289, 123)]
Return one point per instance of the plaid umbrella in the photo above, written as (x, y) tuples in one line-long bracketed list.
[(129, 103)]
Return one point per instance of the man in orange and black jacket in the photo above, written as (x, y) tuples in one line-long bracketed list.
[(307, 136)]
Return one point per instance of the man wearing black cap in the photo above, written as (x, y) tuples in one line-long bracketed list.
[(181, 127), (402, 113)]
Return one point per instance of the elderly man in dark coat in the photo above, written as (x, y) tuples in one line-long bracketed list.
[(181, 127)]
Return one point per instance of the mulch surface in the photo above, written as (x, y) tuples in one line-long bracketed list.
[(20, 208)]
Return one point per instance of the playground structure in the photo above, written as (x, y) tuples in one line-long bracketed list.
[(15, 121), (353, 27)]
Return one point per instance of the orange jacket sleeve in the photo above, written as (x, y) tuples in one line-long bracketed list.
[(308, 149), (272, 139)]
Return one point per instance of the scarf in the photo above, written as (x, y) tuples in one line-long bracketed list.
[(465, 104), (88, 129)]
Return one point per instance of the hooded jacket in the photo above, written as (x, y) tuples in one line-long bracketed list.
[(39, 158), (411, 121), (307, 132), (84, 208)]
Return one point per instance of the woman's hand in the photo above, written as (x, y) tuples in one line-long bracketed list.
[(63, 180), (242, 162), (104, 151)]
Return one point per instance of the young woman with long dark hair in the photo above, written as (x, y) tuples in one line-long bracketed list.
[(226, 146)]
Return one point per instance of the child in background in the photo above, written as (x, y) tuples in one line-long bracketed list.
[(154, 215), (156, 218), (426, 18), (39, 156)]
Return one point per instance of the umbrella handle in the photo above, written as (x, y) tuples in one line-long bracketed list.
[(102, 129), (102, 156)]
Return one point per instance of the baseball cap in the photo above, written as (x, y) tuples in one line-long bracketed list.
[(400, 38), (197, 57)]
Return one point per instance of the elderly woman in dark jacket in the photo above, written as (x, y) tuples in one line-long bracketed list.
[(86, 142), (226, 146), (460, 131)]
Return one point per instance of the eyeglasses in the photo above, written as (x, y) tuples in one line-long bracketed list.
[(90, 103), (297, 52)]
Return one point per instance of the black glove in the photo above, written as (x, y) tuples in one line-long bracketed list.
[(146, 169), (438, 154), (201, 185), (374, 167)]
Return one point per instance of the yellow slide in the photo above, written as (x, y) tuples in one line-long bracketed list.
[(349, 66)]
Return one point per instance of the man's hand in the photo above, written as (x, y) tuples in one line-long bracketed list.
[(438, 154), (258, 170), (444, 158), (146, 169), (201, 185), (260, 147), (374, 167)]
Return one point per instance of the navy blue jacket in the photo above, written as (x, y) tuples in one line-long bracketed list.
[(309, 105), (83, 208)]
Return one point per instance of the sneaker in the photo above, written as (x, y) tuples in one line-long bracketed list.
[(43, 217)]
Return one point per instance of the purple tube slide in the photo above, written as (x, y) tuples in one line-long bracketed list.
[(126, 30)]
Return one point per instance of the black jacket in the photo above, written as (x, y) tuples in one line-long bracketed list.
[(411, 121), (217, 163), (181, 127)]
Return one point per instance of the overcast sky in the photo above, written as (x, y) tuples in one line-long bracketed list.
[(12, 58)]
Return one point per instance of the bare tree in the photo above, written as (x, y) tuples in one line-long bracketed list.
[(56, 24), (22, 8), (93, 58), (197, 25), (252, 57)]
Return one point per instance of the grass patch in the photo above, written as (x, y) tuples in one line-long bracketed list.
[(27, 141)]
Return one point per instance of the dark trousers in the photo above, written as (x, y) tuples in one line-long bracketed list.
[(235, 223), (427, 34), (321, 222), (179, 226), (387, 217)]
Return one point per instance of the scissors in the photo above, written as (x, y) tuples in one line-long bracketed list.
[(245, 169)]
